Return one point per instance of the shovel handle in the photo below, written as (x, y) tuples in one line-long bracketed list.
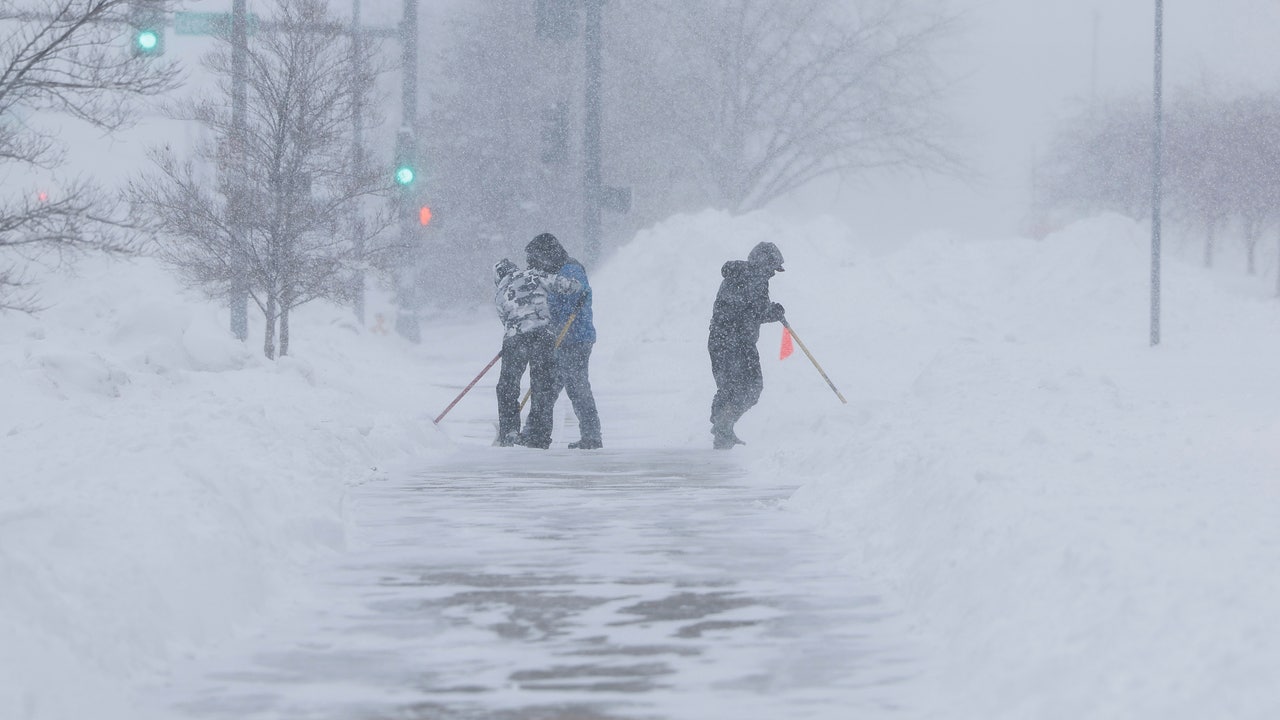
[(809, 355)]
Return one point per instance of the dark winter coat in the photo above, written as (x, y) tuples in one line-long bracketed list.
[(742, 304)]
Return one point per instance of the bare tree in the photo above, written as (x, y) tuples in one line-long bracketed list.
[(283, 209), (1202, 170), (1251, 124), (1222, 164), (1099, 159), (63, 57), (726, 103), (768, 96)]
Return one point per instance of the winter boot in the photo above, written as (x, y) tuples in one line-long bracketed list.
[(723, 437), (533, 442), (585, 444)]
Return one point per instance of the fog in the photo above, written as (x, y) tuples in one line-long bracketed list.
[(1012, 69), (1023, 63), (1068, 522), (1019, 65)]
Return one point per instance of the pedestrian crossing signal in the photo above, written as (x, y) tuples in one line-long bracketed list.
[(424, 216)]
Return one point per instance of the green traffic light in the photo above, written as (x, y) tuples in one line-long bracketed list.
[(404, 175), (147, 40)]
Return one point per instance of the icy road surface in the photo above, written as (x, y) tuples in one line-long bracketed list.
[(518, 584)]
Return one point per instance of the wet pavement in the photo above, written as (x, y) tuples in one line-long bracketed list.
[(513, 584)]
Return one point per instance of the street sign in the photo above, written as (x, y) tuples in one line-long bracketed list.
[(209, 23)]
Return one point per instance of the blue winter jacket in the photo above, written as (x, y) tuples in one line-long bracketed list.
[(583, 329)]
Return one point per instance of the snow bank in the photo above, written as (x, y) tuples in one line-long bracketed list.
[(163, 484), (1082, 524)]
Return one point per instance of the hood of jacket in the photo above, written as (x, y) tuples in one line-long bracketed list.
[(742, 269)]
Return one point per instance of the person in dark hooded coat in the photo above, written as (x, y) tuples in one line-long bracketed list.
[(573, 356), (742, 306), (521, 298)]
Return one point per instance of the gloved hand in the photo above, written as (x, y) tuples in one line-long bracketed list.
[(778, 312)]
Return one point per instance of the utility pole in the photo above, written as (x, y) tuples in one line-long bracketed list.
[(1157, 171), (239, 71), (591, 182), (1093, 67), (357, 151), (406, 314)]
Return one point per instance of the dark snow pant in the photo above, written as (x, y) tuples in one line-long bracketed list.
[(739, 382), (572, 363), (531, 349)]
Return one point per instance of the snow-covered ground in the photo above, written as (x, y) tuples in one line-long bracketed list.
[(1079, 525)]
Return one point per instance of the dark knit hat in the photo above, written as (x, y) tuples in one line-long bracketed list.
[(546, 253)]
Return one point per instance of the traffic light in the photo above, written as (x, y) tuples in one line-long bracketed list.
[(406, 169), (146, 20)]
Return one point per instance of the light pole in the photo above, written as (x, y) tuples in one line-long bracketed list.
[(1157, 171), (357, 150), (407, 282), (591, 181), (239, 70)]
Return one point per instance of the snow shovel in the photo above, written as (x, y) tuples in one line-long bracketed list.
[(467, 389), (559, 339), (809, 355)]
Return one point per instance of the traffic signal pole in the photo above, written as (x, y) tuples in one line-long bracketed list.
[(407, 280)]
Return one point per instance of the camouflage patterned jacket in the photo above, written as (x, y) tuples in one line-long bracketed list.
[(521, 299)]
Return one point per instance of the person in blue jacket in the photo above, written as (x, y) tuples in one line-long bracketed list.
[(521, 298), (573, 356)]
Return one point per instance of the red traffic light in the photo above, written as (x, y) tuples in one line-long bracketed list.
[(424, 215)]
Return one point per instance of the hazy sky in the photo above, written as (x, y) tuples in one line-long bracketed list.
[(1022, 62), (1025, 61)]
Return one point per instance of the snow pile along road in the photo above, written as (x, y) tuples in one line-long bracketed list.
[(1081, 523), (163, 484)]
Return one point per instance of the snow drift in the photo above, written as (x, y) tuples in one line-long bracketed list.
[(1078, 524)]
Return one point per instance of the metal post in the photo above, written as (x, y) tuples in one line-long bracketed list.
[(1157, 171), (406, 315), (239, 301), (1093, 65), (357, 153), (591, 188)]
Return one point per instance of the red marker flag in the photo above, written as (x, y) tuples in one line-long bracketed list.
[(786, 349)]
